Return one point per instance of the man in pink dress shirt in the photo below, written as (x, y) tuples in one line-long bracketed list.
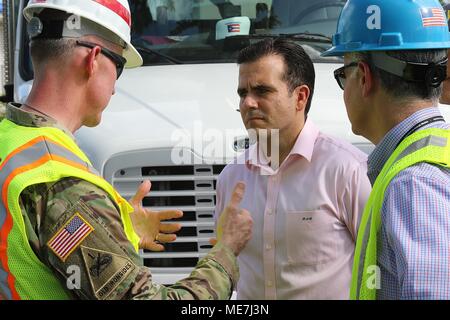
[(306, 201)]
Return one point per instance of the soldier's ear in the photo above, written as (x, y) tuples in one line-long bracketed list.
[(91, 61)]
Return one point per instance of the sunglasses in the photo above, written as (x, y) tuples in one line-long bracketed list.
[(339, 74), (117, 59)]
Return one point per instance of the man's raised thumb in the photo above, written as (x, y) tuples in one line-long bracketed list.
[(237, 195)]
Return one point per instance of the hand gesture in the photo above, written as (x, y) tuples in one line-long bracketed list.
[(235, 225), (148, 224)]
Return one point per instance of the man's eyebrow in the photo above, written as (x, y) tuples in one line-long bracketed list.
[(241, 91), (263, 87), (260, 87)]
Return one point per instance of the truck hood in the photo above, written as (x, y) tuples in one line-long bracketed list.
[(191, 106)]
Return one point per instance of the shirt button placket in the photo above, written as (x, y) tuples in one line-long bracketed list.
[(269, 237)]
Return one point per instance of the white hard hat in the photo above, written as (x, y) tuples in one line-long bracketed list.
[(113, 15), (236, 26)]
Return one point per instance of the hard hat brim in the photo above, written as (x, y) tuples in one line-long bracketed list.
[(134, 59), (341, 50)]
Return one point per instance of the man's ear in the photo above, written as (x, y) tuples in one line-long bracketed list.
[(302, 92), (91, 61), (366, 79)]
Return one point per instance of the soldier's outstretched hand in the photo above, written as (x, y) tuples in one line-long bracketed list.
[(148, 224)]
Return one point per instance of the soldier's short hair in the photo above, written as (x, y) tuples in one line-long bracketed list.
[(45, 50)]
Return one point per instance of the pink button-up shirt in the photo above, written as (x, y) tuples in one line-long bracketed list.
[(306, 217)]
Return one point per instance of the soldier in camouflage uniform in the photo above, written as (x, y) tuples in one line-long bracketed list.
[(47, 207), (108, 264)]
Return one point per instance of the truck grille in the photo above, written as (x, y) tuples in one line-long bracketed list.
[(190, 188)]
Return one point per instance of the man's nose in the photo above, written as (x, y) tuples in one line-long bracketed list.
[(250, 102)]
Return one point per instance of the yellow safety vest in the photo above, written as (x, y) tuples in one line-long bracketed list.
[(431, 146), (29, 156)]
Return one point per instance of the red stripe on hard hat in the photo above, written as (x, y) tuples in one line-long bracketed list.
[(118, 8)]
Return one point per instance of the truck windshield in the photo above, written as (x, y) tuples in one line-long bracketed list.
[(213, 31)]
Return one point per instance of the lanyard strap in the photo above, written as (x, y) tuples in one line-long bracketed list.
[(421, 124)]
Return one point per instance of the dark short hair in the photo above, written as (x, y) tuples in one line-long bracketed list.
[(44, 50), (299, 69), (400, 88)]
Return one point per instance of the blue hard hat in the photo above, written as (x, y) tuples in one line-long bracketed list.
[(385, 25)]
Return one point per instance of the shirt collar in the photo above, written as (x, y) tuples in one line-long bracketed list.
[(32, 119), (303, 147), (390, 141)]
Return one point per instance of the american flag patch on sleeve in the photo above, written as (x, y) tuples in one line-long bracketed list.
[(67, 239)]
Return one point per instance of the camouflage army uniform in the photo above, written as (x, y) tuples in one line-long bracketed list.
[(109, 266)]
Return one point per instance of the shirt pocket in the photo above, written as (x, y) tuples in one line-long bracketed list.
[(310, 237)]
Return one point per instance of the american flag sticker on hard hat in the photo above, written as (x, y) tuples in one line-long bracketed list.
[(432, 17), (70, 236)]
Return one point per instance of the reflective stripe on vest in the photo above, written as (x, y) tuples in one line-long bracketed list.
[(25, 158), (40, 159), (431, 146)]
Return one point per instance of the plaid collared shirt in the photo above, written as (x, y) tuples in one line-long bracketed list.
[(414, 240)]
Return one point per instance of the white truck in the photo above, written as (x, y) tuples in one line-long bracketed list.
[(174, 120)]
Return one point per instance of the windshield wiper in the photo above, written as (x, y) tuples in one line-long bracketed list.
[(306, 36), (317, 37), (159, 54)]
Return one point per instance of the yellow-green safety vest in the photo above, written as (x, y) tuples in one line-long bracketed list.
[(29, 156), (431, 146)]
